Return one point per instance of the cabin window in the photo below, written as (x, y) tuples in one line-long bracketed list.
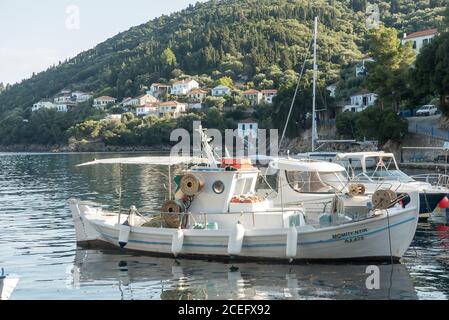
[(317, 182), (307, 182), (218, 187)]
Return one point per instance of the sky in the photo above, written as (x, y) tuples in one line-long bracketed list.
[(37, 34)]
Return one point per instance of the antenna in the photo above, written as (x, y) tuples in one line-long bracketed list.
[(315, 69)]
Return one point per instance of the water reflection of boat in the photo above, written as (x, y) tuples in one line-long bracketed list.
[(140, 277)]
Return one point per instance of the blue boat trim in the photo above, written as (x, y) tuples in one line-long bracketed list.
[(258, 245)]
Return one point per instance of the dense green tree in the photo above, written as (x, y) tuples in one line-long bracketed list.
[(381, 125), (431, 72), (346, 124), (387, 75), (225, 81)]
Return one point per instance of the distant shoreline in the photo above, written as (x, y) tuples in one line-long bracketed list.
[(83, 149)]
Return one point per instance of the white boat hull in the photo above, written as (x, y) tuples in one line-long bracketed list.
[(7, 286), (377, 238)]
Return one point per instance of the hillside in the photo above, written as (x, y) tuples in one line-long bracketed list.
[(236, 38)]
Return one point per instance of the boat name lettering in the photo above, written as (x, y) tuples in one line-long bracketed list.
[(350, 234)]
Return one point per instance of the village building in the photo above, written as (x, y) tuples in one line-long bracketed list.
[(332, 90), (141, 100), (43, 105), (253, 96), (361, 100), (197, 95), (80, 97), (159, 90), (146, 110), (220, 91), (247, 128), (63, 97), (269, 95), (104, 102), (419, 39), (361, 69), (62, 107), (172, 108), (183, 87)]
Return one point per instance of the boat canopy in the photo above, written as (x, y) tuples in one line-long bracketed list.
[(306, 165), (155, 161), (363, 155)]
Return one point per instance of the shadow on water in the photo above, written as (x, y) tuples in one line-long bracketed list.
[(141, 277)]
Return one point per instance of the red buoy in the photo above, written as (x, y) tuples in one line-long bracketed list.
[(444, 203)]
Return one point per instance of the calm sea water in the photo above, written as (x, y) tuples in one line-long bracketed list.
[(37, 243)]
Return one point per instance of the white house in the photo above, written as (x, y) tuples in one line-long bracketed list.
[(103, 102), (43, 105), (361, 100), (159, 90), (80, 97), (62, 107), (332, 89), (220, 91), (419, 39), (360, 69), (197, 95), (184, 87), (141, 100), (172, 108), (247, 129), (269, 95), (63, 98), (253, 96), (146, 110)]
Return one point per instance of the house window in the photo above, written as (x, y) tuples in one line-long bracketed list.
[(414, 44)]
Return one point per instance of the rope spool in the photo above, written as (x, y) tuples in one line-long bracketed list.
[(171, 213), (384, 199), (191, 185), (356, 189)]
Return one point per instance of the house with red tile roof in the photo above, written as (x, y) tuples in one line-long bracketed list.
[(419, 39), (268, 95), (253, 96)]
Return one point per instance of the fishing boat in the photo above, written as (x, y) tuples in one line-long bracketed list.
[(216, 213), (7, 285), (379, 169), (316, 185)]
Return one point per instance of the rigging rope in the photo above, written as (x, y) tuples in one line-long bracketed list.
[(296, 92)]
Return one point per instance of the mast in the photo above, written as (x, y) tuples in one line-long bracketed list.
[(315, 69)]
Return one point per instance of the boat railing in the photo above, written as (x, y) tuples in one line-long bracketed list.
[(435, 179), (157, 218)]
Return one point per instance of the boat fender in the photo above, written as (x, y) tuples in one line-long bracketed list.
[(236, 239), (177, 242), (292, 242), (124, 236)]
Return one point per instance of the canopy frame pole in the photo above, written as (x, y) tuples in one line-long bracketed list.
[(120, 195)]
